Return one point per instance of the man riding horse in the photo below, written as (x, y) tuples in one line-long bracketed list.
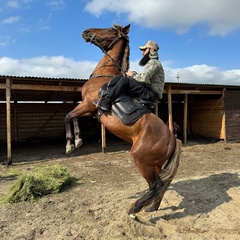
[(148, 85)]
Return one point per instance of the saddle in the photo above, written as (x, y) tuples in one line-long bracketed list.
[(129, 109)]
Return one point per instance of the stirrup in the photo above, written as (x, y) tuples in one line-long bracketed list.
[(98, 105), (147, 103)]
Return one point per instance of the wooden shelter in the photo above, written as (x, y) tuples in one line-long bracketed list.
[(33, 107), (205, 110)]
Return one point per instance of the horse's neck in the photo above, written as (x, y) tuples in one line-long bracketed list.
[(111, 63)]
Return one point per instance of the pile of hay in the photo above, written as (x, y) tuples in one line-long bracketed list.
[(38, 183)]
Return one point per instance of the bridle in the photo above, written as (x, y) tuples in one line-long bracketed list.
[(95, 42)]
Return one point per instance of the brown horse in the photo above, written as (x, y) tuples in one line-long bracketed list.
[(154, 151)]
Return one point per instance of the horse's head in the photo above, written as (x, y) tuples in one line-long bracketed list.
[(105, 38)]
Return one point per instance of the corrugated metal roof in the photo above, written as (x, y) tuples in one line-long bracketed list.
[(40, 78), (81, 79), (47, 94), (42, 95), (201, 84)]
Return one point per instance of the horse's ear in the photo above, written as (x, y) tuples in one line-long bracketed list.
[(117, 26), (126, 29)]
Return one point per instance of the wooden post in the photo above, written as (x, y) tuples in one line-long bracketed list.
[(15, 123), (170, 117), (8, 120), (224, 116), (185, 118), (103, 130)]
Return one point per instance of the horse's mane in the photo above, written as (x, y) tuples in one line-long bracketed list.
[(125, 59), (126, 53)]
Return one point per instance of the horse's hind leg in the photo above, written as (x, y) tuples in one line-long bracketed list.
[(166, 175), (154, 183), (154, 206)]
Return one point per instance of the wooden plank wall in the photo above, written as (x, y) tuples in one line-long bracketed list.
[(208, 118), (232, 110), (3, 124), (29, 121)]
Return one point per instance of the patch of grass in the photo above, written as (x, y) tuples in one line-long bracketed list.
[(37, 183), (9, 172)]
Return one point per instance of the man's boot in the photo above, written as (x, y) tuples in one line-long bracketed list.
[(104, 104)]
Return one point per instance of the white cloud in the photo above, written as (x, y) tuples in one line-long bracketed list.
[(6, 40), (17, 4), (60, 67), (13, 4), (46, 67), (56, 4), (203, 74), (11, 20), (220, 16)]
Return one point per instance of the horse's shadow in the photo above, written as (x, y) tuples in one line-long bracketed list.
[(202, 195)]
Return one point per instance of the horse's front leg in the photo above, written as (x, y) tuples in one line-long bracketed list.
[(69, 136), (85, 108), (78, 140)]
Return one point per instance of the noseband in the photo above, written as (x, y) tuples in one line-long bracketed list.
[(94, 41)]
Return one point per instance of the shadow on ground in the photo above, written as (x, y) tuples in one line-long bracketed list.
[(203, 195)]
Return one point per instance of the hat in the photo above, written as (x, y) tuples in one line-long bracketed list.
[(149, 44)]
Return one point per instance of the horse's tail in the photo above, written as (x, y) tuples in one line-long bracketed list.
[(171, 166)]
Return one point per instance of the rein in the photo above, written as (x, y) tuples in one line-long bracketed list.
[(106, 52), (101, 75)]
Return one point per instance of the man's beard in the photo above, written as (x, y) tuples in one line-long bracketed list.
[(144, 60)]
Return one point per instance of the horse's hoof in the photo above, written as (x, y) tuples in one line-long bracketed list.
[(69, 149), (148, 209), (78, 143), (132, 211), (133, 216)]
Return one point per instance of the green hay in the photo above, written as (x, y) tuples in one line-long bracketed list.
[(39, 182), (9, 172)]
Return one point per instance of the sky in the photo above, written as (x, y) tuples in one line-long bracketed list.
[(199, 40)]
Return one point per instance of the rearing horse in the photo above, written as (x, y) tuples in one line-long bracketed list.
[(155, 152)]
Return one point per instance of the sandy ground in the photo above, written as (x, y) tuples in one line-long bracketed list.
[(202, 202)]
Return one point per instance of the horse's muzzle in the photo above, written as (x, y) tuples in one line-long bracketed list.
[(88, 36)]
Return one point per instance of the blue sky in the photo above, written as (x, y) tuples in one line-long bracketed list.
[(199, 40)]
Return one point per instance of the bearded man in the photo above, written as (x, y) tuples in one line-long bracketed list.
[(148, 85)]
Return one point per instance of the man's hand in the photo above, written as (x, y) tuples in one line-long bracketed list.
[(129, 73)]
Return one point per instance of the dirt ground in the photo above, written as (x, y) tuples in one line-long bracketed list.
[(202, 202)]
